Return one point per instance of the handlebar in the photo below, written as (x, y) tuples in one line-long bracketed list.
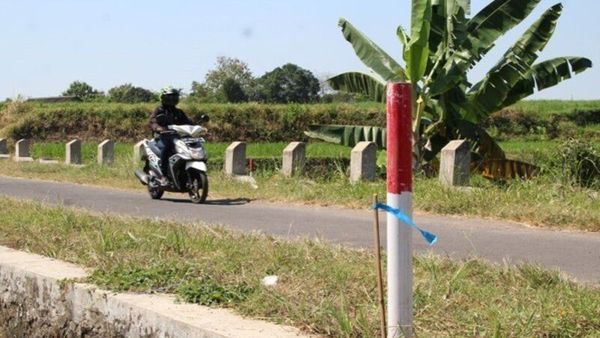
[(167, 131)]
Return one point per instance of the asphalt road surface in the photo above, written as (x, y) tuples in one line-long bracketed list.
[(576, 254)]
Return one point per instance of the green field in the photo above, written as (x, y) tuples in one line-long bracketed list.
[(546, 107)]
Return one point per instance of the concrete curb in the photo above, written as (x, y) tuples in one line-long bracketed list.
[(35, 301)]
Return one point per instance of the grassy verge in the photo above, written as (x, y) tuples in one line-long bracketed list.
[(322, 289)]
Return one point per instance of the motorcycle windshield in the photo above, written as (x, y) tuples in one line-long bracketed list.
[(187, 130)]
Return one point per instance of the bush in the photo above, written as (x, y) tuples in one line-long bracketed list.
[(127, 93), (512, 122), (585, 117), (581, 163), (83, 91), (249, 122)]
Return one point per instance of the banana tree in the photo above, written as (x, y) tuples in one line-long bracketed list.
[(443, 45)]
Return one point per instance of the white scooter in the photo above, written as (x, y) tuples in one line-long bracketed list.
[(187, 166)]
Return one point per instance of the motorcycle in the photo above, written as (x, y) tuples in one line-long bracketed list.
[(187, 166)]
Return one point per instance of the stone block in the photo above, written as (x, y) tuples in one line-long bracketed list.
[(294, 156), (22, 149), (3, 148), (106, 152), (235, 159), (455, 164), (73, 152), (363, 162), (138, 151)]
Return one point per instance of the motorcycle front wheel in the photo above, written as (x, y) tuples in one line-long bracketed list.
[(199, 188), (155, 192)]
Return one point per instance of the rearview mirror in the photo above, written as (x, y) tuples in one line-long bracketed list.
[(204, 118)]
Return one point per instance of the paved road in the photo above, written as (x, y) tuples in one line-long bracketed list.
[(576, 254)]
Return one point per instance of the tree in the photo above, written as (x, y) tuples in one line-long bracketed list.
[(127, 93), (289, 83), (226, 68), (233, 92), (201, 92), (442, 46), (83, 91)]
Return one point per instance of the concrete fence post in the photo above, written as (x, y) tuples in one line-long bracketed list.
[(294, 156), (3, 149), (138, 151), (235, 159), (73, 152), (22, 151), (363, 162), (106, 152), (455, 164)]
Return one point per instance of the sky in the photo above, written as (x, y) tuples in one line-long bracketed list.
[(48, 44)]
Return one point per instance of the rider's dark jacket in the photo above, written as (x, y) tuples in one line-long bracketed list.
[(173, 115)]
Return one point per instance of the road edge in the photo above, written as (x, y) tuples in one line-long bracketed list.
[(40, 297)]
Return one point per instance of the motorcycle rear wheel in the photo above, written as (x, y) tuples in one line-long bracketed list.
[(199, 190)]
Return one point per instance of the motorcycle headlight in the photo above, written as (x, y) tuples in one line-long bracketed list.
[(198, 154)]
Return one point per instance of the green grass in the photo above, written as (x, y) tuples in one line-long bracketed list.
[(322, 288), (216, 151), (546, 107), (538, 152)]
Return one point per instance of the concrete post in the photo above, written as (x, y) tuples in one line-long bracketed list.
[(455, 164), (73, 152), (138, 151), (106, 152), (235, 159), (22, 151), (3, 149), (294, 156), (363, 162)]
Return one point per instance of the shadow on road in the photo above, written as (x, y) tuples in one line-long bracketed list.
[(225, 201)]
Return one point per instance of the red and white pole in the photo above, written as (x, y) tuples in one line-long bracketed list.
[(399, 196)]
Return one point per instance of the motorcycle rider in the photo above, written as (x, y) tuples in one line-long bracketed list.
[(164, 115)]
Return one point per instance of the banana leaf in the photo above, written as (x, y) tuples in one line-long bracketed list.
[(372, 55), (505, 169), (348, 135), (486, 96), (546, 74), (481, 32), (359, 83), (416, 55)]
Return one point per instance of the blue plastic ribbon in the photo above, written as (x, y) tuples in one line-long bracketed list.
[(428, 236)]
